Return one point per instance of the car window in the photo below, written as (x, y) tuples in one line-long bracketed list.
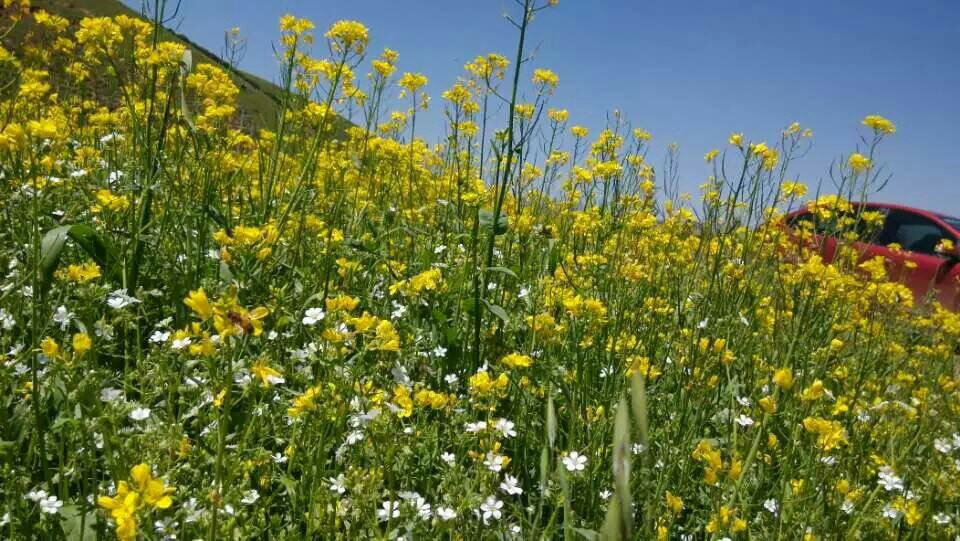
[(951, 221), (912, 232), (867, 223)]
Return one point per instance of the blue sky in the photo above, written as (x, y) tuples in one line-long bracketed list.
[(689, 72)]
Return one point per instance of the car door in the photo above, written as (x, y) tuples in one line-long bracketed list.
[(917, 264), (806, 231)]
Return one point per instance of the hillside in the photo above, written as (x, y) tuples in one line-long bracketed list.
[(258, 98)]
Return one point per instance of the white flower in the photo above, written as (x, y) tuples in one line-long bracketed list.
[(574, 461), (180, 343), (941, 518), (398, 310), (103, 330), (451, 379), (605, 494), (63, 317), (439, 351), (50, 505), (424, 511), (439, 249), (250, 497), (446, 513), (891, 512), (491, 509), (478, 426), (523, 293), (448, 458), (888, 479), (6, 320), (159, 337), (847, 507), (388, 510), (36, 495), (505, 427), (4, 520), (140, 413), (312, 316), (278, 458), (744, 420), (771, 506), (638, 448), (943, 445), (109, 394), (703, 323), (337, 484), (494, 462), (510, 486), (119, 299), (828, 460)]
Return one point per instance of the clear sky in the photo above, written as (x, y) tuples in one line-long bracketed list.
[(689, 72)]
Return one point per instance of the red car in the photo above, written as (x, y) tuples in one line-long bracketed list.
[(920, 234)]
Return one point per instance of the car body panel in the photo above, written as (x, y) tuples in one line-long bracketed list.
[(922, 271)]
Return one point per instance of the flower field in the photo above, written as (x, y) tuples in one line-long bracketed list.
[(308, 329)]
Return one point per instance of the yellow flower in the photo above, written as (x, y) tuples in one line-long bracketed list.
[(880, 124), (813, 392), (387, 338), (709, 156), (111, 201), (426, 281), (736, 139), (830, 434), (198, 302), (401, 396), (345, 303), (675, 503), (768, 404), (858, 162), (517, 360), (558, 115), (348, 36), (50, 348), (546, 79), (783, 378), (81, 273), (246, 235), (412, 81), (266, 374), (81, 343), (123, 507), (153, 491)]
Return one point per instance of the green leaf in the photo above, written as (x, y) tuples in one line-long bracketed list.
[(186, 65), (50, 249), (496, 310), (225, 274), (291, 485), (551, 421), (587, 534), (486, 222), (503, 270), (77, 525)]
